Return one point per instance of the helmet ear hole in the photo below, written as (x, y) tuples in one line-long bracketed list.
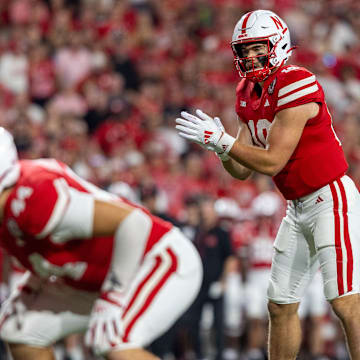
[(284, 46)]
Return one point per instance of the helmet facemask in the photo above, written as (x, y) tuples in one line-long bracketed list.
[(247, 66)]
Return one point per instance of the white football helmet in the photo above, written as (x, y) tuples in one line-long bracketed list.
[(9, 165), (267, 203), (266, 27)]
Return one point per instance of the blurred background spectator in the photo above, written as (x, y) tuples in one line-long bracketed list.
[(98, 84), (213, 243)]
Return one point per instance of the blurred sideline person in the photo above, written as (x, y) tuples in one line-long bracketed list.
[(96, 262), (286, 132), (229, 213), (214, 246), (256, 253)]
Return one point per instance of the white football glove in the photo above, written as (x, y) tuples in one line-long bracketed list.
[(204, 130), (14, 307), (223, 156), (27, 288), (105, 329)]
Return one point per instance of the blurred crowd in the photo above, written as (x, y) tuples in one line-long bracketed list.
[(99, 83)]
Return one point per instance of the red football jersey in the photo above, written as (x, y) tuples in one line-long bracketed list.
[(318, 158), (34, 209)]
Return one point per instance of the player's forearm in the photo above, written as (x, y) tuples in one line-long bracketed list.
[(256, 158), (236, 170)]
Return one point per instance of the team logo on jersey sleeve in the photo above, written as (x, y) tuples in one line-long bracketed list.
[(271, 87)]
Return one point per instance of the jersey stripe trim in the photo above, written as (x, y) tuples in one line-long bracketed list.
[(298, 94), (140, 287), (169, 266), (349, 263), (338, 249), (296, 85), (59, 208)]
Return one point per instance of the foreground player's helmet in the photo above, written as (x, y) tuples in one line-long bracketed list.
[(261, 26), (9, 166)]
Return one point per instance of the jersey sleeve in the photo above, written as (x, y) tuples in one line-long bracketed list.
[(77, 221), (43, 204), (297, 86)]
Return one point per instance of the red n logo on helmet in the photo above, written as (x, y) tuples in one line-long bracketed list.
[(277, 22)]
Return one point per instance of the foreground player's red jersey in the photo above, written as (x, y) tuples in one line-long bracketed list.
[(34, 209), (318, 158)]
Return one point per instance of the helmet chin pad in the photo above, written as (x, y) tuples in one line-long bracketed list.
[(254, 68)]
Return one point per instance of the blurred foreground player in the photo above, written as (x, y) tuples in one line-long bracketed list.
[(286, 132), (96, 262)]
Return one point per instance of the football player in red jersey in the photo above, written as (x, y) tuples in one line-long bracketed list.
[(286, 132), (96, 263)]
